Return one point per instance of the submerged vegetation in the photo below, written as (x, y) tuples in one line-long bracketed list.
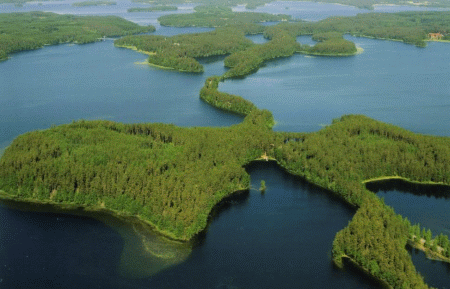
[(168, 176), (172, 177), (33, 30)]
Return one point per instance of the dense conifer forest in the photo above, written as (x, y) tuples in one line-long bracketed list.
[(172, 177), (179, 52), (218, 16), (33, 30)]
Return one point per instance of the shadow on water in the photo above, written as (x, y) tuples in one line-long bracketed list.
[(280, 239), (427, 205), (238, 199), (430, 190), (143, 252), (435, 273)]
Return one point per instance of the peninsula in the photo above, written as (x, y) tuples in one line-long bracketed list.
[(171, 177)]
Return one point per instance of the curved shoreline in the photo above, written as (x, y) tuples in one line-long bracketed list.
[(387, 178), (72, 207), (428, 253), (135, 49)]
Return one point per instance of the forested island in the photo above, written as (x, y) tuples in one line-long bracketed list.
[(154, 8), (33, 30), (179, 52), (252, 4), (218, 16), (93, 3), (171, 177)]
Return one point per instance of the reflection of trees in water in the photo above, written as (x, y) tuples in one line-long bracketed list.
[(235, 200), (434, 190)]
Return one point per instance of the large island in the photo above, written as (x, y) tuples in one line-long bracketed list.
[(172, 177)]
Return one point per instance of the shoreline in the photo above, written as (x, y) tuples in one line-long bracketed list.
[(340, 264), (72, 207), (428, 253), (145, 251), (387, 178), (436, 40), (135, 49), (150, 54), (359, 50)]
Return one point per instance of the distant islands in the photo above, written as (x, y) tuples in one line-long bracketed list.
[(171, 177), (218, 16), (154, 9), (94, 3), (179, 52), (33, 30)]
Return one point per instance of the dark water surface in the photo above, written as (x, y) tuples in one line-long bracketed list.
[(435, 273), (281, 239), (427, 205)]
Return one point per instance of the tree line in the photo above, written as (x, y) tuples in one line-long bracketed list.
[(153, 8), (218, 16), (33, 30), (179, 52)]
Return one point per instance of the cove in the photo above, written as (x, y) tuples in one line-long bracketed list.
[(427, 205), (232, 278), (435, 273), (280, 239)]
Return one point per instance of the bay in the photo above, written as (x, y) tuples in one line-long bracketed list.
[(390, 81), (281, 239)]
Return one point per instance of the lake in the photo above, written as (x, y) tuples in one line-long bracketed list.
[(280, 239)]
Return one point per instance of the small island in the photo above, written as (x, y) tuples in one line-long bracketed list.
[(171, 177)]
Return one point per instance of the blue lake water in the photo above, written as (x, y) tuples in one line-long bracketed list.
[(281, 239), (389, 81), (313, 11)]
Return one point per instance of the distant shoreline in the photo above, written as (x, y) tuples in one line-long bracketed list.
[(135, 49), (400, 178)]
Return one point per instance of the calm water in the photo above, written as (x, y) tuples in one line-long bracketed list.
[(103, 82), (301, 10), (426, 205), (281, 239), (389, 81), (311, 11), (435, 273)]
